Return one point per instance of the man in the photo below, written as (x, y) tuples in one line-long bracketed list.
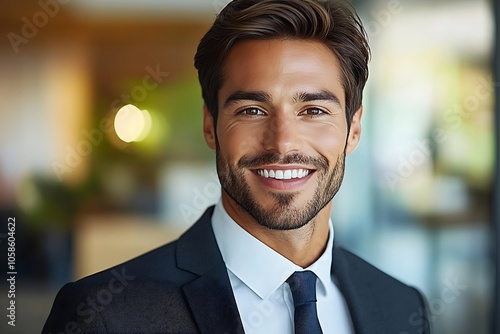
[(282, 82)]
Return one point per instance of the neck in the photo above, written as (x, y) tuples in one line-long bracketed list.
[(302, 246)]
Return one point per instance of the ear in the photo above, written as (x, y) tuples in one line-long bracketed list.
[(355, 132), (208, 128)]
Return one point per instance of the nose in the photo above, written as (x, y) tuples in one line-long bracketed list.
[(282, 134)]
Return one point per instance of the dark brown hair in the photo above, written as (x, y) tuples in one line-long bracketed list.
[(333, 23)]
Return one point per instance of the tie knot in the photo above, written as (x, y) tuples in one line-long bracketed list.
[(303, 287)]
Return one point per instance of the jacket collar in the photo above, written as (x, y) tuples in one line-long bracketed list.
[(347, 281), (210, 296), (374, 299)]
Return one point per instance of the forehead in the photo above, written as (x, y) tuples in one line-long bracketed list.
[(282, 66)]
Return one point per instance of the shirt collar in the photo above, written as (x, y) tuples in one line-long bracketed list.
[(258, 266)]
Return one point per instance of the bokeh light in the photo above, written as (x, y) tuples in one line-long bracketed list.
[(132, 124)]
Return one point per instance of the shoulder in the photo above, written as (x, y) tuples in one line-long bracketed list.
[(137, 295), (113, 297), (377, 298), (154, 263)]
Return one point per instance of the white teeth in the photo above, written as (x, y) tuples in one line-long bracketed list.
[(284, 174)]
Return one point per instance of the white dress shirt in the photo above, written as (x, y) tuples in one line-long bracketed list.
[(258, 274)]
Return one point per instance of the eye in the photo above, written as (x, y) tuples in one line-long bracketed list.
[(313, 112), (251, 112)]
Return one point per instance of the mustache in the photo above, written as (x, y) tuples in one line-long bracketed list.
[(271, 158)]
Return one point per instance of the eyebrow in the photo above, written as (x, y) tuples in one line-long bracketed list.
[(323, 95), (264, 97), (247, 96)]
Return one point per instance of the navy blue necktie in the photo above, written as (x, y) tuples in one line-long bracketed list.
[(303, 287)]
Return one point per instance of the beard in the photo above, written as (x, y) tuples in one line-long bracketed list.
[(283, 215)]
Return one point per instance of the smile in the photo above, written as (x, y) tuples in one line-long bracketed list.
[(283, 174)]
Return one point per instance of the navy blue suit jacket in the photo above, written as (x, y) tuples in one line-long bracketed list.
[(183, 287)]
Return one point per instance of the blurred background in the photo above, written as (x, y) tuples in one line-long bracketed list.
[(91, 183)]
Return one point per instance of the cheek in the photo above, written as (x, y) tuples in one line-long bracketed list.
[(329, 141), (235, 142)]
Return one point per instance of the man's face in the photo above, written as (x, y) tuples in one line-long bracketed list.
[(281, 135)]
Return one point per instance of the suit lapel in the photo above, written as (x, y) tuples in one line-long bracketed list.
[(212, 303), (210, 296), (378, 303), (358, 293)]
